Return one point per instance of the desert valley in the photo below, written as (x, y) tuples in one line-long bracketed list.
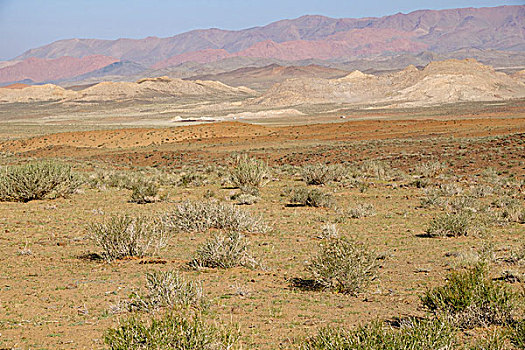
[(315, 183)]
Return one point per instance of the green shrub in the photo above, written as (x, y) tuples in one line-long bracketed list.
[(224, 251), (450, 224), (171, 331), (311, 197), (471, 299), (343, 265), (144, 192), (319, 174), (200, 216), (168, 289), (38, 180), (124, 236), (517, 334), (249, 172), (413, 334)]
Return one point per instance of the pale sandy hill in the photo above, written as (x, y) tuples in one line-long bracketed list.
[(438, 83), (48, 92)]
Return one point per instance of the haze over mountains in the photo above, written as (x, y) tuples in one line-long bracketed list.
[(494, 36)]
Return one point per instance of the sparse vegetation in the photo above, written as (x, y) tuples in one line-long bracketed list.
[(450, 224), (361, 211), (126, 236), (37, 180), (343, 265), (320, 174), (197, 216), (311, 197), (171, 331), (470, 299), (144, 192), (224, 251), (249, 172)]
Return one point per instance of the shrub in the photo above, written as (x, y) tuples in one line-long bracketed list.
[(361, 211), (450, 224), (144, 192), (123, 236), (376, 169), (38, 180), (224, 252), (249, 172), (413, 334), (430, 169), (517, 335), (343, 265), (201, 216), (471, 299), (311, 198), (319, 174), (168, 289), (171, 331), (191, 179)]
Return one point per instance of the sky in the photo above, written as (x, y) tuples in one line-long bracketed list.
[(26, 24)]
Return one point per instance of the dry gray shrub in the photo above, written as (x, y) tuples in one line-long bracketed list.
[(199, 216), (320, 174), (124, 236), (431, 169), (361, 211), (37, 180), (343, 265), (168, 289), (224, 251)]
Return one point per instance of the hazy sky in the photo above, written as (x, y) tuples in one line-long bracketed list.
[(26, 24)]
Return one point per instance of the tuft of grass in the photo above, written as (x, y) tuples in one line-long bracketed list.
[(413, 334), (168, 289), (199, 216), (320, 174), (450, 224), (171, 331), (517, 334), (311, 198), (249, 172), (144, 192), (343, 265), (224, 251), (470, 299), (37, 180), (126, 236), (362, 211)]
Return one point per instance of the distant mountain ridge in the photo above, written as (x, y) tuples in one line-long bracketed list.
[(308, 37)]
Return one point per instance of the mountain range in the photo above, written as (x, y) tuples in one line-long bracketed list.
[(492, 32)]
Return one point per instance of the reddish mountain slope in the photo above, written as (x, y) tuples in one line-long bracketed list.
[(499, 28), (39, 70)]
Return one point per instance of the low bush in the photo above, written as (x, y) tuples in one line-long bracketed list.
[(430, 169), (517, 334), (224, 251), (168, 289), (470, 299), (199, 216), (124, 236), (171, 331), (38, 180), (249, 172), (450, 224), (361, 211), (413, 334), (311, 197), (320, 174), (343, 265), (144, 192)]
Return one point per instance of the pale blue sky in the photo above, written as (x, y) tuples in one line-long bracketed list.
[(26, 24)]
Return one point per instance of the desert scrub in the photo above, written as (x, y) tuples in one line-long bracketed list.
[(413, 334), (430, 169), (311, 197), (320, 174), (38, 180), (361, 211), (517, 334), (175, 331), (343, 265), (124, 236), (450, 225), (144, 192), (168, 289), (224, 251), (471, 299), (199, 216), (248, 171)]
